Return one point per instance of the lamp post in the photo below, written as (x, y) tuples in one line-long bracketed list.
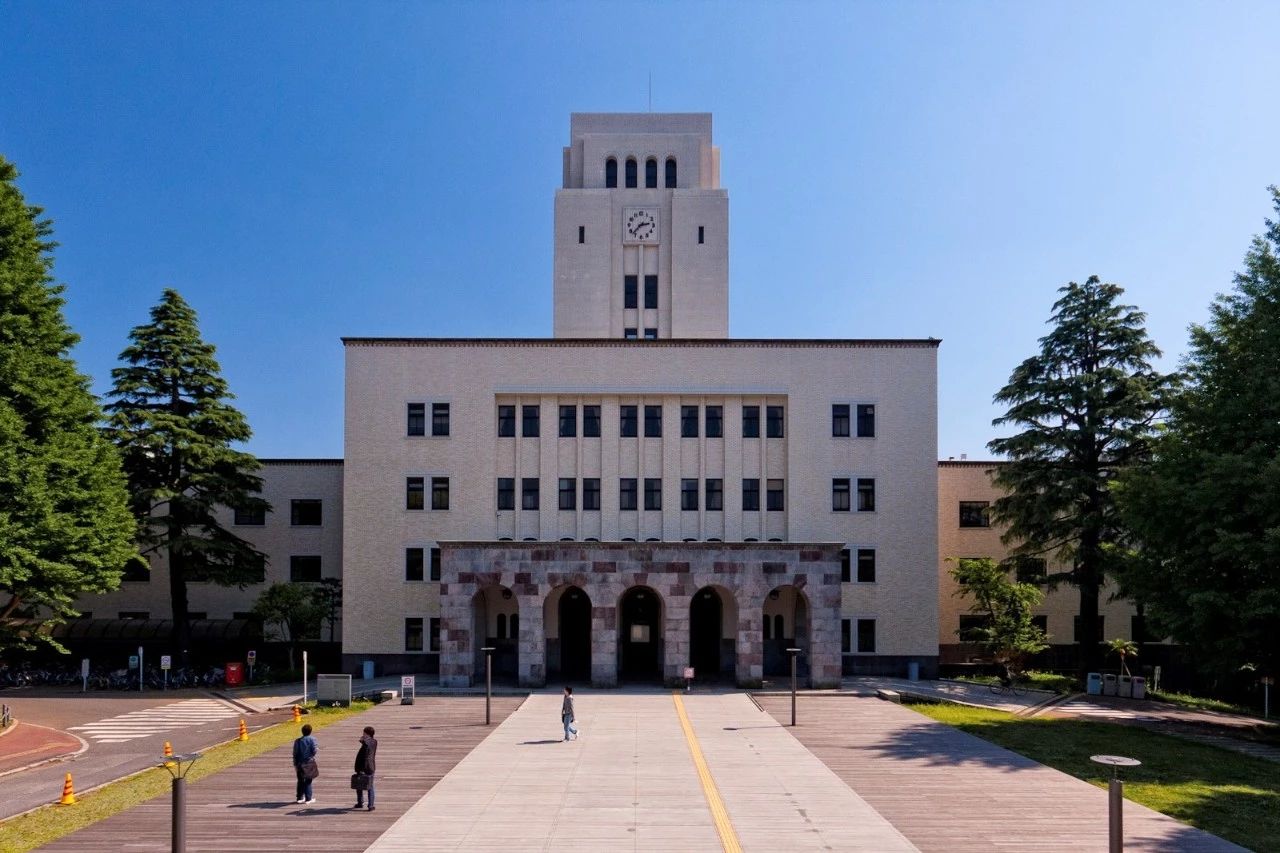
[(794, 654), (488, 680), (1115, 797), (173, 763)]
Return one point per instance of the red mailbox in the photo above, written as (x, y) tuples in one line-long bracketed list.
[(235, 674)]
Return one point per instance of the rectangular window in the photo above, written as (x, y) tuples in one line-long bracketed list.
[(590, 421), (630, 291), (568, 421), (630, 334), (255, 517), (750, 421), (1075, 629), (651, 291), (304, 513), (839, 420), (774, 501), (650, 334), (773, 422), (417, 419), (866, 421), (627, 493), (840, 494), (506, 493), (628, 426), (415, 493), (582, 233), (439, 418), (304, 569), (975, 514), (715, 421), (715, 495), (568, 493), (414, 564), (689, 494), (591, 493), (701, 234), (846, 569), (413, 634), (653, 493), (1029, 569), (846, 641), (530, 420), (751, 494), (688, 421), (434, 622), (529, 493), (435, 564), (653, 422), (439, 492), (866, 636), (866, 494), (506, 421), (866, 565)]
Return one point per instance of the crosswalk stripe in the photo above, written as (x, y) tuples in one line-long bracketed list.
[(148, 721)]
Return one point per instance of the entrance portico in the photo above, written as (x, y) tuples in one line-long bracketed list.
[(646, 621)]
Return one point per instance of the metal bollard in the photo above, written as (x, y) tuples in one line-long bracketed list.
[(1115, 798)]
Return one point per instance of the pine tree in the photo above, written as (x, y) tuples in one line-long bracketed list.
[(65, 527), (1208, 507), (171, 418), (1086, 403)]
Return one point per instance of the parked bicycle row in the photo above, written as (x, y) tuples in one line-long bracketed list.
[(107, 678)]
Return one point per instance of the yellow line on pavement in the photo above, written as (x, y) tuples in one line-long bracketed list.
[(724, 826)]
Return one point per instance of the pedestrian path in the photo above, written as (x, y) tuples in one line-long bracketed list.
[(1086, 708), (631, 782), (149, 721)]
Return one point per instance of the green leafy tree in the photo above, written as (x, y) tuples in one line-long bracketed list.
[(328, 597), (1208, 507), (1008, 632), (1086, 405), (171, 418), (290, 611), (65, 527), (1123, 649)]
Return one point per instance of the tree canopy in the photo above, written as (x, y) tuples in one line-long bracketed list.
[(1008, 632)]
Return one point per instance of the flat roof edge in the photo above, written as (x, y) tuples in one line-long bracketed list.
[(697, 343)]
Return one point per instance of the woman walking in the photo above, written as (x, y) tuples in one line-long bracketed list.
[(566, 714), (365, 766), (304, 763)]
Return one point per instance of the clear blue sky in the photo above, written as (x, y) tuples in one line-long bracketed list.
[(303, 171)]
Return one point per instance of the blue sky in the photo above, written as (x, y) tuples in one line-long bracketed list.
[(303, 171)]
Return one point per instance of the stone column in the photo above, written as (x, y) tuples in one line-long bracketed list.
[(604, 640)]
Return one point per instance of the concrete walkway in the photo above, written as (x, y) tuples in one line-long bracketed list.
[(631, 783)]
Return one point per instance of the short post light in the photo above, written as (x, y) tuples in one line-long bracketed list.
[(1115, 797), (179, 766), (795, 653), (488, 680)]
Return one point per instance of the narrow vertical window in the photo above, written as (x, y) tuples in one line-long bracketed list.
[(627, 493), (839, 420), (846, 640), (867, 636), (591, 494), (750, 421), (715, 422), (846, 567), (773, 421), (650, 291), (630, 295), (502, 626), (434, 622), (611, 173), (590, 421), (715, 495), (651, 174), (653, 422), (628, 421), (506, 493), (631, 173), (417, 417), (671, 173), (779, 628), (413, 564), (866, 495), (568, 421), (435, 564), (530, 418), (689, 494), (439, 419), (582, 233), (529, 493), (702, 235), (840, 494), (415, 492), (866, 565), (413, 635), (774, 501), (506, 421), (568, 493), (688, 421), (439, 492), (866, 421), (751, 494), (652, 493)]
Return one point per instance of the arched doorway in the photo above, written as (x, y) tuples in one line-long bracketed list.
[(640, 647), (786, 626), (713, 631), (495, 620), (567, 620)]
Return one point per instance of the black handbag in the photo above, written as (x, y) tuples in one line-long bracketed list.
[(360, 781), (310, 770)]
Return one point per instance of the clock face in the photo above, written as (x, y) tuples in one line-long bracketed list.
[(640, 225)]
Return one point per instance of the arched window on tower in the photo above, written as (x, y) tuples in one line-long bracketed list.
[(651, 174), (515, 626), (611, 173), (671, 173), (778, 627), (631, 173), (502, 626)]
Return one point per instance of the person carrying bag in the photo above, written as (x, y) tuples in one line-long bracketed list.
[(362, 779), (304, 764)]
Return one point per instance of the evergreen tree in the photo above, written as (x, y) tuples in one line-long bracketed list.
[(1086, 404), (65, 527), (1208, 507), (171, 418)]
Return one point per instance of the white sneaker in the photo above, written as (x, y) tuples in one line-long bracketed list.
[(310, 801), (299, 801)]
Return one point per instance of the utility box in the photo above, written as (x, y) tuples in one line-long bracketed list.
[(368, 670), (1139, 687), (1093, 685), (913, 671), (1109, 685), (333, 690)]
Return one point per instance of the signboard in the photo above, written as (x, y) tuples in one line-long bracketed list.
[(1268, 680), (133, 661), (406, 689), (84, 667), (688, 672), (251, 658), (166, 662)]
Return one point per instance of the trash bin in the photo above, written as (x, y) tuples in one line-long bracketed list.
[(234, 674), (1139, 687), (368, 670), (1126, 687), (1108, 685), (913, 671), (1094, 684)]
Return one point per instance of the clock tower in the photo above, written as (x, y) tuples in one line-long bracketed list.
[(641, 229)]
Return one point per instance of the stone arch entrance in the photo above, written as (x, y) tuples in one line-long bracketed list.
[(495, 620), (786, 624), (713, 631), (640, 640), (566, 615)]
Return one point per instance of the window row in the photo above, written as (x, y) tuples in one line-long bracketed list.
[(629, 421), (711, 494), (303, 512), (631, 173), (415, 564), (632, 334), (417, 419), (413, 635), (415, 492), (864, 420), (630, 284), (843, 496), (865, 636), (859, 560)]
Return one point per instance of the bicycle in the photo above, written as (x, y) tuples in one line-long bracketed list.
[(1009, 683)]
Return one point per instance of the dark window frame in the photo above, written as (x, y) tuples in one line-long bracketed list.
[(751, 421), (866, 420), (653, 421), (415, 419), (651, 173), (866, 494), (864, 647), (713, 494), (840, 420), (590, 494), (689, 494), (775, 495), (415, 565), (774, 421), (631, 172), (568, 494), (299, 512), (688, 421), (750, 494), (439, 494), (713, 421), (568, 421), (841, 494), (591, 421), (653, 494), (611, 173), (975, 514), (628, 499), (631, 292), (530, 493), (305, 568), (670, 174), (650, 292), (507, 421), (531, 420), (439, 420), (866, 565), (506, 494), (415, 494), (252, 517), (414, 634), (435, 564), (628, 421)]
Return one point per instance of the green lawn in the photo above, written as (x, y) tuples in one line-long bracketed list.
[(1050, 681), (41, 827), (1223, 792)]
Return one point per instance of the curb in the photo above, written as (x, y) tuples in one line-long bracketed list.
[(84, 747)]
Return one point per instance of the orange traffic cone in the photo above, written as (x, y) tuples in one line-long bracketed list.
[(168, 753), (244, 731), (68, 793), (297, 714)]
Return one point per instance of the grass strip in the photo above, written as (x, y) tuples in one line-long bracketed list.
[(29, 831), (1226, 793)]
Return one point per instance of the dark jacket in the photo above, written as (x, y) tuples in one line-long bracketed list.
[(304, 749), (566, 709), (368, 753)]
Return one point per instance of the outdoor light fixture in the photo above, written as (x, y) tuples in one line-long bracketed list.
[(174, 764)]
